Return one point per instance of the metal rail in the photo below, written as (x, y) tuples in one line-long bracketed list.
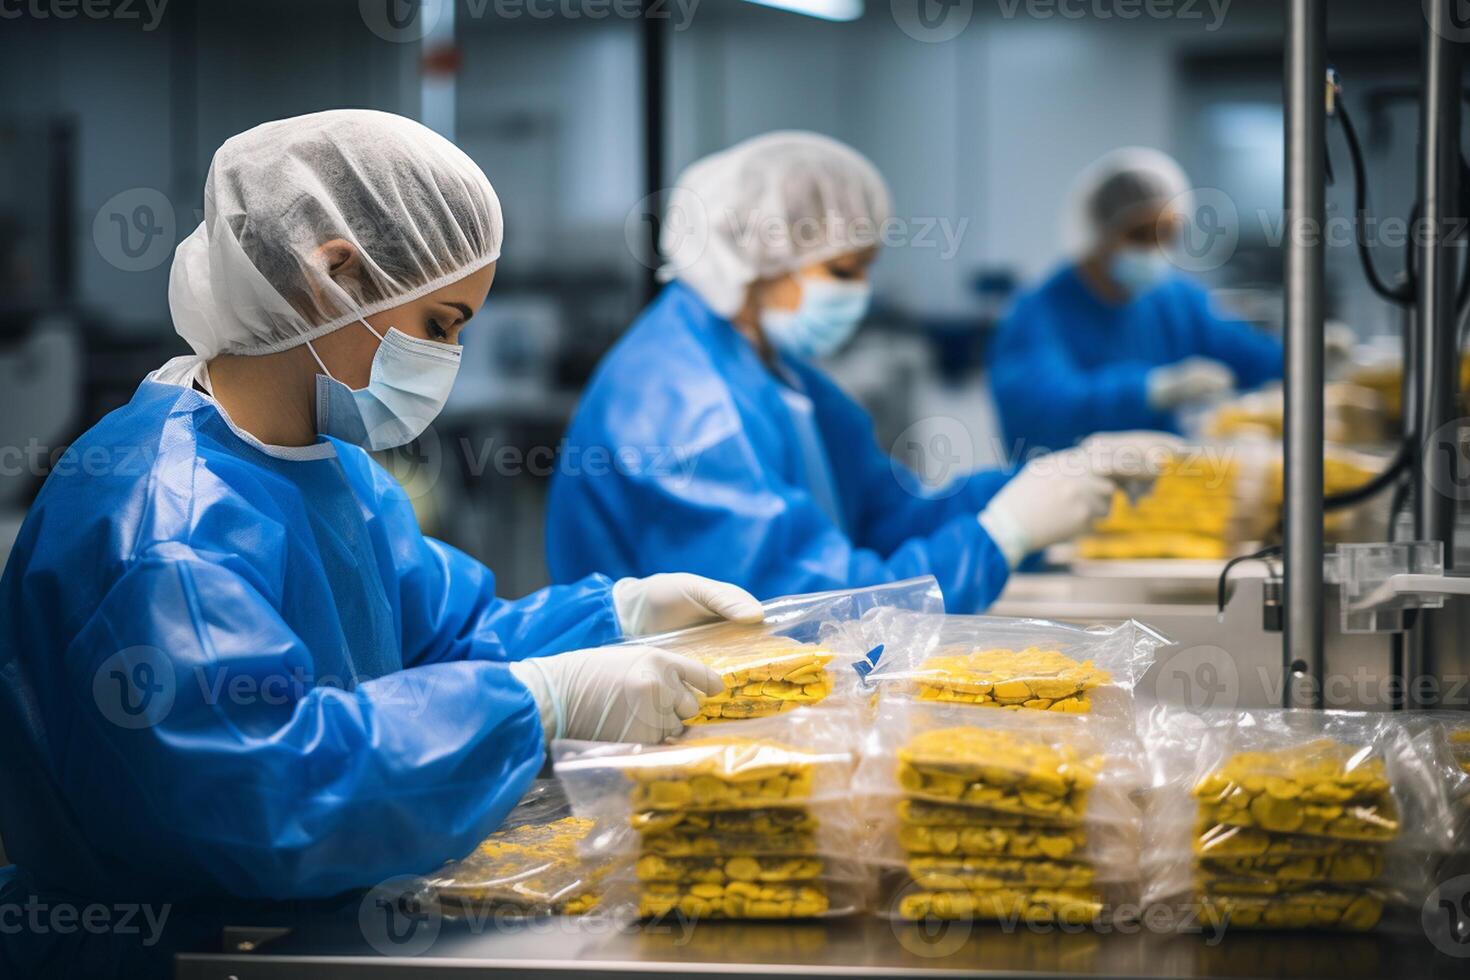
[(1306, 111)]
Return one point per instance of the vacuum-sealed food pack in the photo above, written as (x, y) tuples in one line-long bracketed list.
[(809, 647), (999, 662), (531, 866), (982, 814), (1282, 819), (753, 819)]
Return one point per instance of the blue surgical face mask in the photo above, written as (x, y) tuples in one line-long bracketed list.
[(1137, 270), (825, 319), (407, 389)]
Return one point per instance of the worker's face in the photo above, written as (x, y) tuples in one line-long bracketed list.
[(785, 293), (439, 316), (1151, 228)]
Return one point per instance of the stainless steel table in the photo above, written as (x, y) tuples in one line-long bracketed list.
[(858, 947)]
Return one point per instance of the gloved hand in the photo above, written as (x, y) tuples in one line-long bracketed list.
[(1053, 498), (674, 600), (616, 694), (1190, 380), (1135, 455)]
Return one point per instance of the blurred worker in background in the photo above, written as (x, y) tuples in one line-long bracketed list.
[(233, 665), (739, 457), (1117, 339)]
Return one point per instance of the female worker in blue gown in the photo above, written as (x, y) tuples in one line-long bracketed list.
[(1117, 339), (709, 441), (231, 665)]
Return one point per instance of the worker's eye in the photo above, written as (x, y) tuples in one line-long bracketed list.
[(436, 331), (840, 273)]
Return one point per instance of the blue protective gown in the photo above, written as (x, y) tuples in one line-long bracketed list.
[(1066, 364), (226, 671), (710, 473)]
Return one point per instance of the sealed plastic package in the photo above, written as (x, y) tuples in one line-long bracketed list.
[(748, 820), (809, 647), (531, 866), (1025, 815), (998, 662), (1279, 819)]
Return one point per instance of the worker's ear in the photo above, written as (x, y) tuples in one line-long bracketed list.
[(341, 262)]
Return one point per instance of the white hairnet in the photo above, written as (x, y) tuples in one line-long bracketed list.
[(766, 207), (1117, 187), (251, 279)]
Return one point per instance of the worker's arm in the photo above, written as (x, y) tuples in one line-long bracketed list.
[(734, 519), (1252, 354), (249, 777), (1047, 400), (450, 610)]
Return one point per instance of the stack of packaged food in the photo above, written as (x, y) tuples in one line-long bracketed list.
[(531, 866), (749, 823), (1019, 816), (1213, 504), (1299, 819), (764, 674)]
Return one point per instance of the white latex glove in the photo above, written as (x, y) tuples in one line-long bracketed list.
[(616, 694), (672, 601), (1193, 379), (1131, 455), (1054, 498), (1338, 343)]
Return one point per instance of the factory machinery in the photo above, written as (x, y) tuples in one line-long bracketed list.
[(1394, 612)]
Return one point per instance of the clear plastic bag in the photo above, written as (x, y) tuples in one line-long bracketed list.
[(995, 815), (1025, 663), (809, 647), (751, 819), (1282, 819), (531, 866)]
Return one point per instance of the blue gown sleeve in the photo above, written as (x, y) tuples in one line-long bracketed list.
[(774, 539), (1048, 402), (451, 612), (246, 776), (1255, 356)]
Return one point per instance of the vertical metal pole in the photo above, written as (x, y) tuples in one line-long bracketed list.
[(1306, 111), (1436, 356), (655, 48)]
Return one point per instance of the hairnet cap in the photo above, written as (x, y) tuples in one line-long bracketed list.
[(1119, 186), (253, 277), (766, 207)]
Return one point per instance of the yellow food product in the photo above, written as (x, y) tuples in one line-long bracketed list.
[(764, 822), (719, 870), (708, 845), (534, 867), (1460, 746), (1360, 865), (998, 770), (1349, 910), (764, 675), (987, 873), (1030, 905), (1323, 788), (722, 773), (1029, 678), (1214, 840), (1056, 843), (734, 900)]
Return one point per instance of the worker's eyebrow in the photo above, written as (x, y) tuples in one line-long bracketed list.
[(464, 311)]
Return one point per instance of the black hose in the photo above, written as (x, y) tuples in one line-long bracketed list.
[(1404, 295), (1261, 555)]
